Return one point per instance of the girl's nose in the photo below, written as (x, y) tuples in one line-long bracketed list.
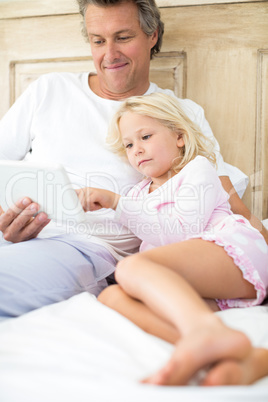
[(138, 149)]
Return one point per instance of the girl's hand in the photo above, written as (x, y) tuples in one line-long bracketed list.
[(93, 199)]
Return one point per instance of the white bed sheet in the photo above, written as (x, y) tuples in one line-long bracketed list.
[(79, 350)]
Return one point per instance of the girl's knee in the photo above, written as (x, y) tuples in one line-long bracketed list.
[(128, 266), (109, 295)]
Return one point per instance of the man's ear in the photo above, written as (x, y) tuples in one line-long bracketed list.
[(180, 141), (154, 37)]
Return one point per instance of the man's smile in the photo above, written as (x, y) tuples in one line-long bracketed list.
[(116, 67)]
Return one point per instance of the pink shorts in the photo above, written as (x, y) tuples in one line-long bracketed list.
[(249, 251)]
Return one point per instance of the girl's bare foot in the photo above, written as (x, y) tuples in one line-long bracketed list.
[(239, 372), (206, 345)]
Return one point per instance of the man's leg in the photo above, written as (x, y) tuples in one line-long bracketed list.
[(39, 272)]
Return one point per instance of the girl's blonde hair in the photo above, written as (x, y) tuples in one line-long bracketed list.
[(168, 111)]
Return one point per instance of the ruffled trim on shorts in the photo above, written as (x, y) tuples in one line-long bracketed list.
[(249, 273)]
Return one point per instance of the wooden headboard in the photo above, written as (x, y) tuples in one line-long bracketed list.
[(214, 52)]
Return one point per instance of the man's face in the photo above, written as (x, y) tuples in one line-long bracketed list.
[(120, 49)]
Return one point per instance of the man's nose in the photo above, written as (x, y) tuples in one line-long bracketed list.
[(111, 52)]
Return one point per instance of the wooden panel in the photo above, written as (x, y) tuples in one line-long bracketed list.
[(168, 70), (35, 39), (260, 177), (30, 8), (221, 72), (172, 3)]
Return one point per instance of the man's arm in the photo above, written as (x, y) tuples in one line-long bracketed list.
[(238, 207)]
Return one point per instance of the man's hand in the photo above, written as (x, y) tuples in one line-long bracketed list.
[(21, 223), (93, 199)]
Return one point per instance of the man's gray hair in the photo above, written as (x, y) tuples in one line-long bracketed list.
[(149, 17)]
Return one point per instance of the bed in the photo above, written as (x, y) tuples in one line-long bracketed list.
[(79, 349)]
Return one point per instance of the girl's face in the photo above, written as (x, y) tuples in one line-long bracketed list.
[(151, 147)]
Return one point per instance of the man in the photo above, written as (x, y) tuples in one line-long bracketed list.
[(63, 118)]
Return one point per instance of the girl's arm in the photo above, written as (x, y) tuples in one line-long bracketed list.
[(238, 207), (93, 199)]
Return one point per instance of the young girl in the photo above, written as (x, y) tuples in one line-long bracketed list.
[(192, 245)]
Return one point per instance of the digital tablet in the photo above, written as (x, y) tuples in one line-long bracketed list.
[(48, 185)]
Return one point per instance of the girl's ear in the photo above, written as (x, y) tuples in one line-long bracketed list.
[(180, 141)]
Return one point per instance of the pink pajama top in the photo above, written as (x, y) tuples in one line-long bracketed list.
[(193, 204)]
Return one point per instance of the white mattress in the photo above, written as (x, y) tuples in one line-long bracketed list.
[(79, 350)]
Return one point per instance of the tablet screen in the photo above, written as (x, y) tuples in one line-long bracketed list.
[(49, 186)]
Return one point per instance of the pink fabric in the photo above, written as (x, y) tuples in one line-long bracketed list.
[(193, 204)]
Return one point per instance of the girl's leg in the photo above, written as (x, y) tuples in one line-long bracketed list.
[(114, 297), (169, 280), (226, 372)]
